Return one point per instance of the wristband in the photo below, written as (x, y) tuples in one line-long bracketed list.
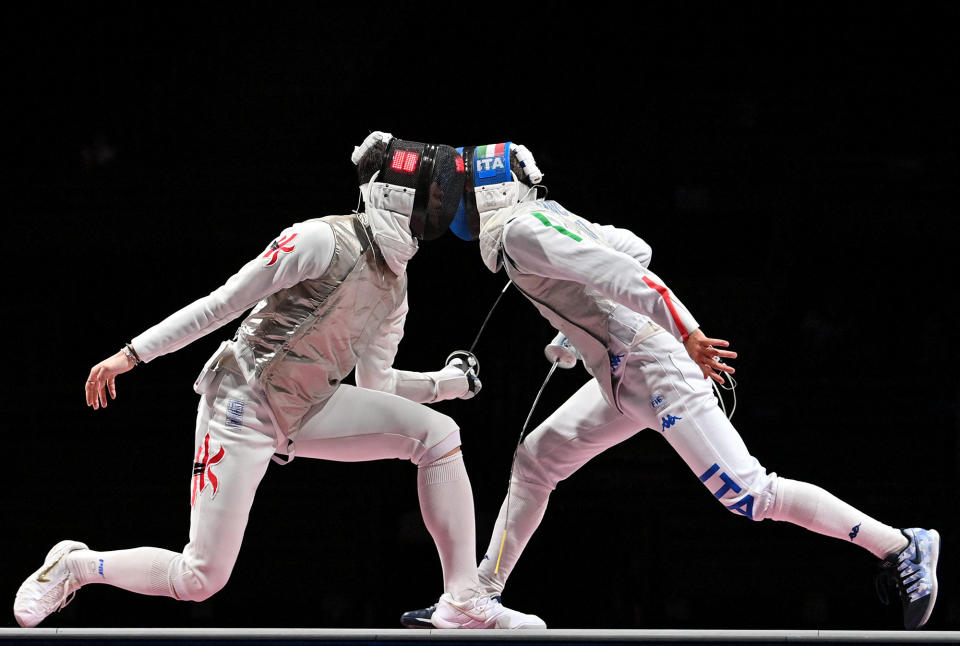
[(130, 352)]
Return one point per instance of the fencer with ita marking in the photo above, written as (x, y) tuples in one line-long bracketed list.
[(328, 295), (649, 362)]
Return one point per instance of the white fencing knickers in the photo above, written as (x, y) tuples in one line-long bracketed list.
[(661, 388), (664, 389), (236, 439)]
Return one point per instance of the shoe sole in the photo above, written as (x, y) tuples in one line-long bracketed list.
[(446, 625)]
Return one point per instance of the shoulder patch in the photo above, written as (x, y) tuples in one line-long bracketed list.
[(284, 245)]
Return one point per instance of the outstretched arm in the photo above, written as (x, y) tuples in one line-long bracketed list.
[(302, 251)]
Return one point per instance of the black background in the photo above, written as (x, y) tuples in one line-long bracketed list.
[(794, 167)]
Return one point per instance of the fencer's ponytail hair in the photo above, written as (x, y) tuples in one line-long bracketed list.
[(371, 162)]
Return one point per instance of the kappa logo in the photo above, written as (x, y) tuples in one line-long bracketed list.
[(283, 244), (855, 531), (203, 470), (669, 421), (100, 569), (615, 361)]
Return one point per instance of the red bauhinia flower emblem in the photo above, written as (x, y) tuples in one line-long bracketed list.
[(202, 470), (283, 244)]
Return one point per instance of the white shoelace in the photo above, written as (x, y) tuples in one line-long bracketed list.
[(64, 595)]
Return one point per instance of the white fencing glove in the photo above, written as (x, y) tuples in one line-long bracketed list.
[(467, 363), (372, 139), (529, 165), (561, 352)]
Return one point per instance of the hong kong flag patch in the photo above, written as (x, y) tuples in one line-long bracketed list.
[(203, 470), (281, 245)]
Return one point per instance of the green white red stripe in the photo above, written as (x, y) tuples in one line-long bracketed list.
[(491, 150), (665, 294)]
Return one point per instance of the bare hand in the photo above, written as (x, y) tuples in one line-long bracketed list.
[(708, 355), (103, 378)]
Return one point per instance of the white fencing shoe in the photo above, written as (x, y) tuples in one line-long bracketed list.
[(481, 612), (48, 589)]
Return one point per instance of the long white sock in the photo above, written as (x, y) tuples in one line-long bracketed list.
[(815, 509), (528, 502), (144, 570), (446, 503)]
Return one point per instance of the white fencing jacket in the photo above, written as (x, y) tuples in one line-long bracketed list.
[(591, 282), (328, 295)]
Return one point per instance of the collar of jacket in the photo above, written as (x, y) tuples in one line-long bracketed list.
[(387, 209)]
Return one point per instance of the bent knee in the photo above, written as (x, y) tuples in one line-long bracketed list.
[(199, 583), (539, 471), (752, 496), (441, 436), (200, 588)]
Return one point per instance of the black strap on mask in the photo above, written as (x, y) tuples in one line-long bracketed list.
[(421, 199), (469, 195)]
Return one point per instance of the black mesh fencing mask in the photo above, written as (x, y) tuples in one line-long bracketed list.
[(436, 174)]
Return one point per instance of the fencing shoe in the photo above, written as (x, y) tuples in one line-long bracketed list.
[(418, 618), (48, 589), (913, 572), (481, 612)]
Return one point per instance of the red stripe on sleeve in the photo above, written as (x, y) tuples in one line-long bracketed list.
[(665, 293)]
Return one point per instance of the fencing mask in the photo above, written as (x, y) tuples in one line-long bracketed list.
[(436, 173), (488, 166)]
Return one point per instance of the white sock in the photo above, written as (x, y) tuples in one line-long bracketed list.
[(528, 502), (815, 509), (144, 570), (446, 503)]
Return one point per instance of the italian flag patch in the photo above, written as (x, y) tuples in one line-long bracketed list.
[(491, 150)]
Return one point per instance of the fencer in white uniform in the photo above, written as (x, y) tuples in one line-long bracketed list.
[(328, 295), (649, 363)]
